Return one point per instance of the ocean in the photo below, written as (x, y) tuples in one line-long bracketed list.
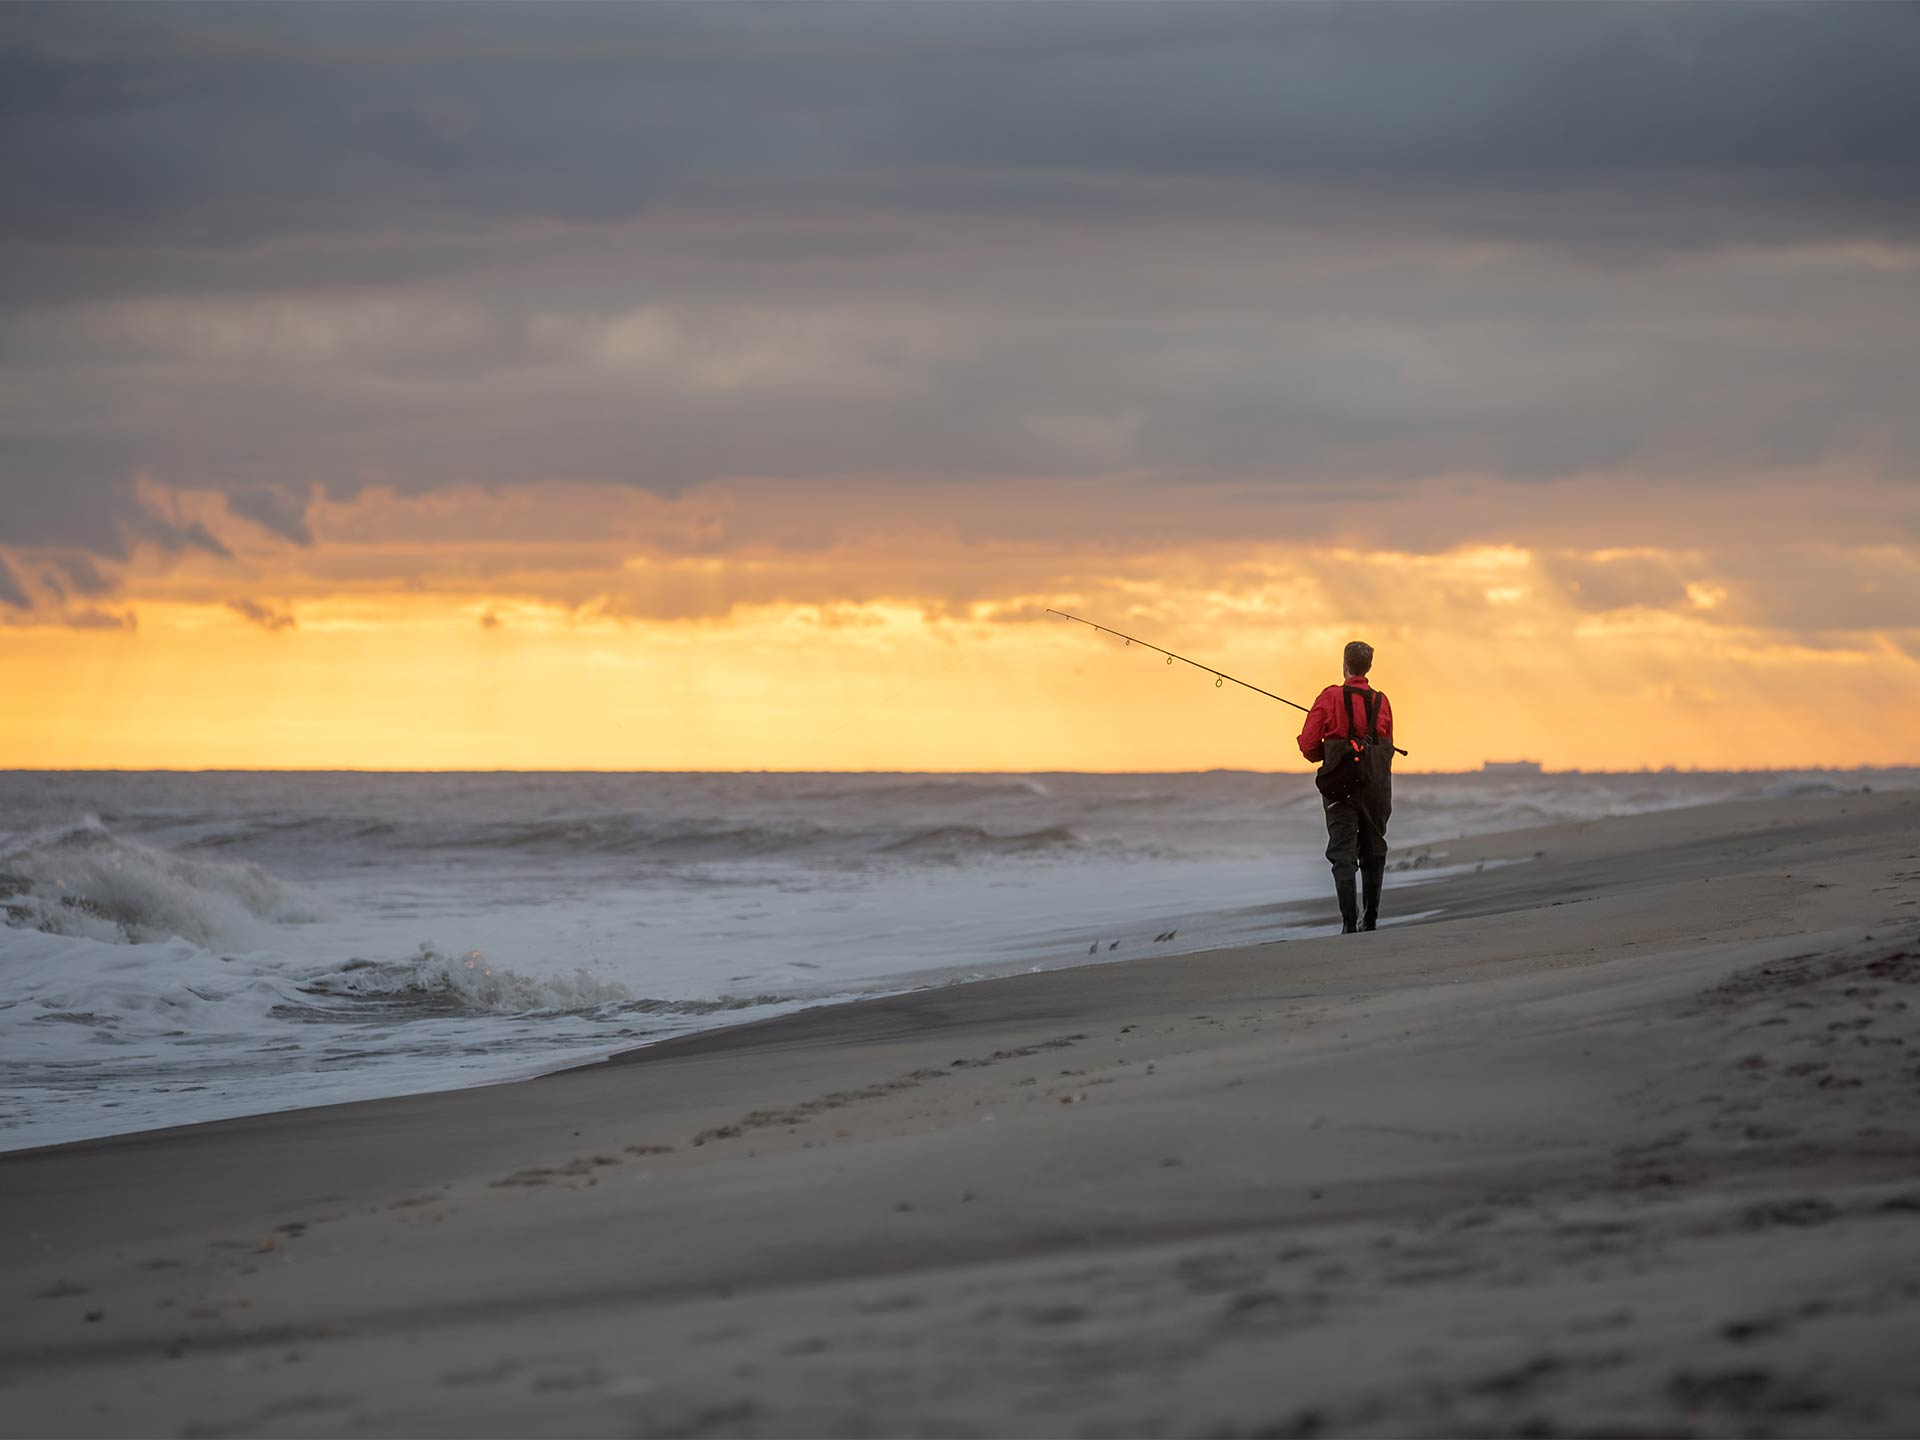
[(182, 947)]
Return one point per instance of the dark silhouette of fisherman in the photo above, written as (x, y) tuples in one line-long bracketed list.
[(1357, 825)]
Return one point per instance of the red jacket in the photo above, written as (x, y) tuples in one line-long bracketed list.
[(1326, 719)]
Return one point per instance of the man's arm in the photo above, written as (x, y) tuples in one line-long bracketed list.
[(1313, 734)]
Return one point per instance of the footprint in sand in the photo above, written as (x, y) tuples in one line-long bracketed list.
[(481, 1375), (1743, 1391), (1056, 1315), (525, 1177), (1256, 1307), (1798, 1213), (587, 1379)]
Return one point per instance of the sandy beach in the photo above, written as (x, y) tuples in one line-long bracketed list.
[(1619, 1138)]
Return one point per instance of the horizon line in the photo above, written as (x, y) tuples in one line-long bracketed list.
[(1208, 770)]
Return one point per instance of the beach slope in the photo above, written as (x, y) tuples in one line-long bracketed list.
[(1622, 1138)]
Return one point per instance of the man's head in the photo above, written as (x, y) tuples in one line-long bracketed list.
[(1358, 659)]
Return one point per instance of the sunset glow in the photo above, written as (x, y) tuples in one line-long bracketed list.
[(598, 654)]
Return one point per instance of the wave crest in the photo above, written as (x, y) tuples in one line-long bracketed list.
[(432, 982), (81, 879), (959, 841)]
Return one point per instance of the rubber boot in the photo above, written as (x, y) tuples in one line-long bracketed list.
[(1373, 874), (1343, 886)]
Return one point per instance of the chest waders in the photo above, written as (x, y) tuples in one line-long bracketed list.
[(1357, 825)]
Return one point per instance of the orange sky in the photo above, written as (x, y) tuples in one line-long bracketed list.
[(592, 649)]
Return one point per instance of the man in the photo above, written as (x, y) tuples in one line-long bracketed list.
[(1357, 827)]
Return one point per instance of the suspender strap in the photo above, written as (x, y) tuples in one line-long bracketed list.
[(1369, 702)]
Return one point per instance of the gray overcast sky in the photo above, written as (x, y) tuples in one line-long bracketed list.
[(1329, 255)]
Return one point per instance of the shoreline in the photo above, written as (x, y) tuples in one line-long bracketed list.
[(244, 1050), (1622, 1138), (1460, 895), (909, 982), (1464, 894)]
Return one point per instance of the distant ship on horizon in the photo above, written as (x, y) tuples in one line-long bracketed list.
[(1510, 767)]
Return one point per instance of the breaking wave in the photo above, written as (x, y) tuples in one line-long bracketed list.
[(431, 982), (960, 841), (941, 790), (82, 879), (625, 835), (862, 833)]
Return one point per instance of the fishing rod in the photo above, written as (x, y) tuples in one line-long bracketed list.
[(1219, 675)]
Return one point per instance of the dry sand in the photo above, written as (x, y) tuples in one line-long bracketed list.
[(1624, 1141)]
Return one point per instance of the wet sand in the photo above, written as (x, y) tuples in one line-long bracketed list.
[(1624, 1139)]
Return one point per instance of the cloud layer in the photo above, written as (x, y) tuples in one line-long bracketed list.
[(366, 120), (668, 311)]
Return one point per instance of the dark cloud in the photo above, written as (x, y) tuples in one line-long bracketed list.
[(1327, 254), (79, 574), (229, 128), (1824, 589), (1600, 583), (279, 511), (1280, 372), (99, 514), (11, 591), (1808, 590), (265, 616)]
